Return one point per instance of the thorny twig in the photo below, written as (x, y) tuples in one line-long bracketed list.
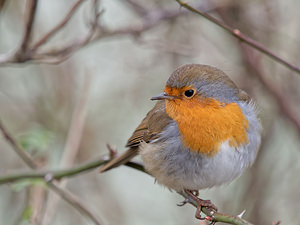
[(252, 61), (243, 38)]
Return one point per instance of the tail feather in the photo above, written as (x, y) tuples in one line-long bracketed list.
[(120, 160)]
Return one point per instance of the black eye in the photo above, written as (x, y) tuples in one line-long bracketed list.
[(189, 93)]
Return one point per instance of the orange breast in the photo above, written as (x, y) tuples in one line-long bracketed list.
[(205, 123)]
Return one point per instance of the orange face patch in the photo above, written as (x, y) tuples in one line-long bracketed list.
[(178, 92), (205, 123)]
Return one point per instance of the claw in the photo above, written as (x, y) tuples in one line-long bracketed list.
[(201, 203), (183, 202)]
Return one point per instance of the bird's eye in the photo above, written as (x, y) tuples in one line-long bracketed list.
[(189, 93)]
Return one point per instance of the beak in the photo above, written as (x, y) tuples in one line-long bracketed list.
[(162, 96)]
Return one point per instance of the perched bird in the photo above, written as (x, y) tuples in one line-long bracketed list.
[(202, 132)]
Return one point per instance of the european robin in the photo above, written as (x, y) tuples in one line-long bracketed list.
[(202, 132)]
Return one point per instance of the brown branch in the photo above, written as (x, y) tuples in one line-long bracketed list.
[(62, 54), (149, 20), (31, 6), (59, 55), (30, 162), (97, 32), (16, 147), (58, 27), (52, 56), (74, 201), (240, 36), (253, 63)]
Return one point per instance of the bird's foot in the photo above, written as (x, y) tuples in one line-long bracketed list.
[(201, 203)]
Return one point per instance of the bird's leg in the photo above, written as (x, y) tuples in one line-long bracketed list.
[(201, 203), (195, 193)]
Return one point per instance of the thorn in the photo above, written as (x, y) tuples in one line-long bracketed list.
[(237, 32), (112, 152), (48, 177), (241, 214)]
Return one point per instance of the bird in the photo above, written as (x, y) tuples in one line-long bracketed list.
[(203, 132)]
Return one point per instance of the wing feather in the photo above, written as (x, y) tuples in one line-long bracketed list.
[(154, 122)]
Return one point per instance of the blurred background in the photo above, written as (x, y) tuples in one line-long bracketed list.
[(63, 108)]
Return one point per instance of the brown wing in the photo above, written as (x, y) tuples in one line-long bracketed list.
[(154, 122)]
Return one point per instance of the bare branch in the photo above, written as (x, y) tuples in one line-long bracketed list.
[(51, 175), (253, 63), (58, 27), (59, 55), (62, 54), (25, 53), (16, 147), (31, 6), (30, 162), (243, 38), (74, 201), (149, 20)]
